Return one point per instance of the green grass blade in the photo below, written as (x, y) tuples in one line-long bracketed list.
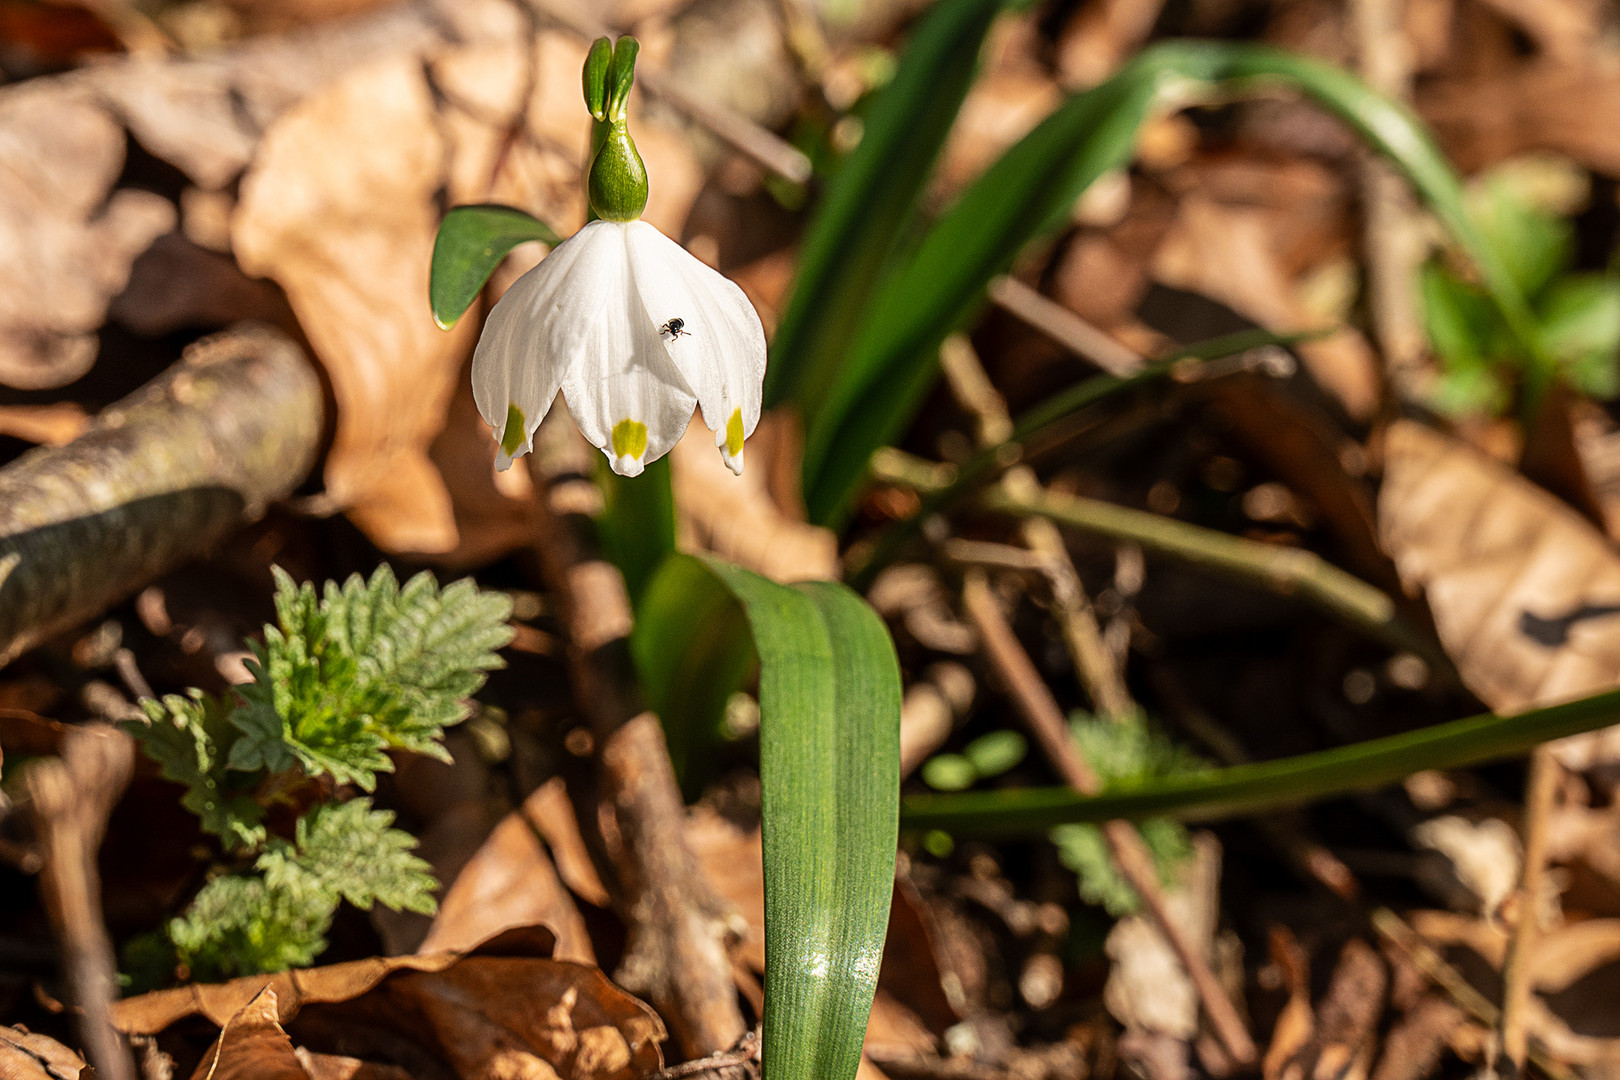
[(1028, 193), (829, 697), (872, 199), (471, 243), (987, 463), (1251, 789)]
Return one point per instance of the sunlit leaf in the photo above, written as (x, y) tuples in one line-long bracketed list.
[(872, 199), (471, 243), (1028, 193), (829, 698)]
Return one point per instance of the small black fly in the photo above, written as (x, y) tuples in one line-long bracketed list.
[(675, 328)]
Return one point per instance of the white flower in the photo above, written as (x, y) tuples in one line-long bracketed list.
[(634, 331)]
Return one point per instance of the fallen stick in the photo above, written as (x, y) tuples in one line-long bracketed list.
[(159, 478)]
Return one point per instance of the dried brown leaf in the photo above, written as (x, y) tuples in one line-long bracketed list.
[(148, 1014), (1522, 588), (252, 1046), (339, 209), (735, 516), (503, 1010), (67, 238), (27, 1056), (1243, 256), (509, 882)]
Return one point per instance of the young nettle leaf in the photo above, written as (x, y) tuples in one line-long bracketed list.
[(238, 925), (371, 666), (350, 850), (278, 916), (340, 679), (189, 737), (1124, 752)]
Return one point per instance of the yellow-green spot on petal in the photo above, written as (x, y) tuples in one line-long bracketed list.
[(734, 433), (630, 439), (512, 434)]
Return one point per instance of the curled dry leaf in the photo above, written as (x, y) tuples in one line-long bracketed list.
[(509, 882), (252, 1046), (27, 1056), (735, 517), (1525, 592), (349, 236), (1234, 242), (67, 239), (503, 1009)]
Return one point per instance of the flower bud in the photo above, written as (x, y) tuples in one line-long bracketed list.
[(618, 182)]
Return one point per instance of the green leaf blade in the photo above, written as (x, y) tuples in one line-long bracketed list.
[(872, 200), (1027, 194), (1250, 789), (471, 243), (829, 695)]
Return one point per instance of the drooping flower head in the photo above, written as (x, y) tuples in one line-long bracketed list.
[(631, 328)]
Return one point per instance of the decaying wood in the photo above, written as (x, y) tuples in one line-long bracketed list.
[(159, 478), (676, 953)]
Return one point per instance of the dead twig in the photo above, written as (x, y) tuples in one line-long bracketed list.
[(1042, 713), (1064, 327), (678, 932), (1291, 571), (72, 797), (1394, 244), (1393, 929), (1092, 658), (1512, 1038)]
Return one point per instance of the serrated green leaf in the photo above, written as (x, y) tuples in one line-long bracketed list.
[(277, 916), (829, 697), (872, 200), (370, 667), (239, 925), (1124, 751), (351, 850), (471, 243), (190, 739)]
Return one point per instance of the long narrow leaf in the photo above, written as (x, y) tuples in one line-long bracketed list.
[(829, 696), (873, 198), (1251, 789), (1027, 194)]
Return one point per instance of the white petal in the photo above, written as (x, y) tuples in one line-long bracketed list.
[(532, 334), (618, 372), (720, 351)]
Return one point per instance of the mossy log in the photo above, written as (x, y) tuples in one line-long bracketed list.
[(158, 478)]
